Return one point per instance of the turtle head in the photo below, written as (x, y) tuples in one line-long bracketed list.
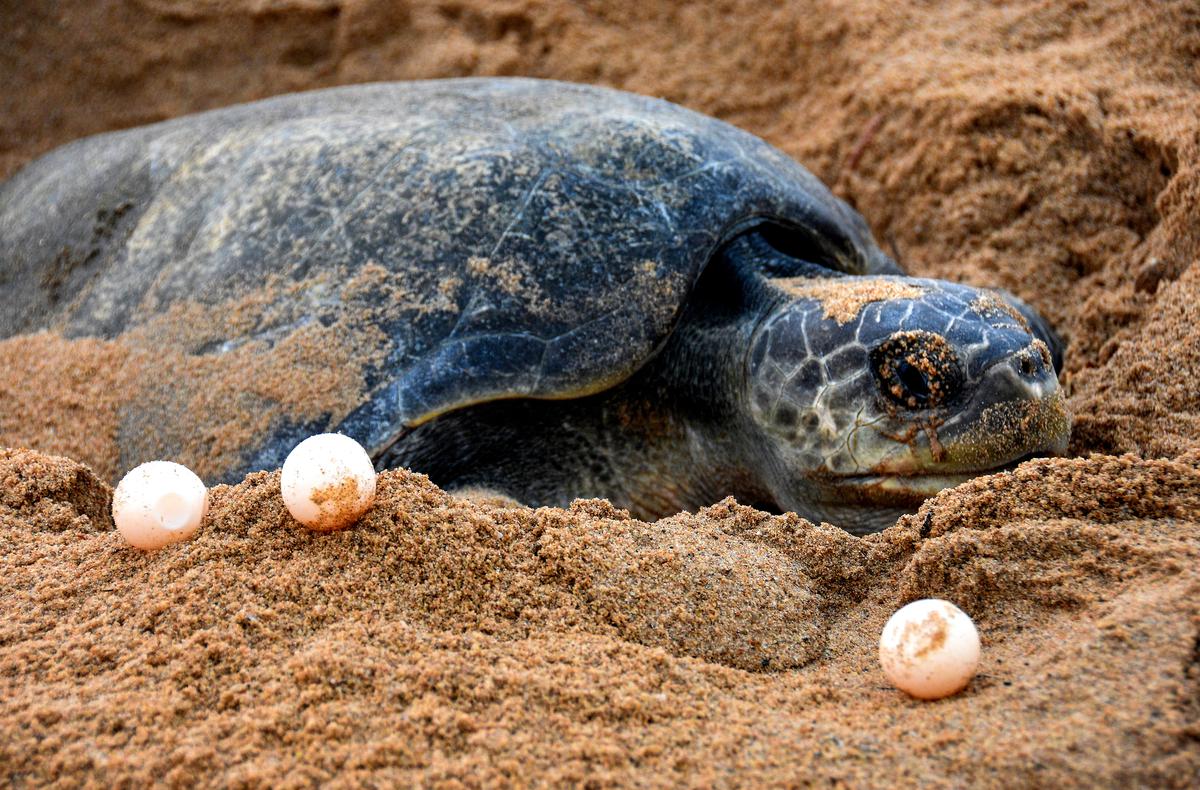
[(876, 392)]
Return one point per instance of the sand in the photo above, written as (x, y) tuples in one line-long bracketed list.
[(1049, 148)]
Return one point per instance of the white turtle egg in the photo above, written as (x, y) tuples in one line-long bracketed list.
[(159, 503), (929, 649), (328, 482)]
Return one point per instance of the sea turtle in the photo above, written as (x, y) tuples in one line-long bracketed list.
[(564, 291)]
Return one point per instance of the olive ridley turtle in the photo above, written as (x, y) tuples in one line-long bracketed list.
[(607, 295)]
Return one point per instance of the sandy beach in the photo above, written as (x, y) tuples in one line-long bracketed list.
[(1051, 149)]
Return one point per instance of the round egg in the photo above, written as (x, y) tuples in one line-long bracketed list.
[(929, 649), (159, 503), (328, 482)]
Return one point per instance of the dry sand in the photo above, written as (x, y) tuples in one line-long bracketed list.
[(1051, 148)]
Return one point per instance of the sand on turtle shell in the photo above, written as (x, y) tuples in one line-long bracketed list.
[(1050, 149)]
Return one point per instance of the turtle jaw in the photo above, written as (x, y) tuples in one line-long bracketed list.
[(989, 439), (905, 491)]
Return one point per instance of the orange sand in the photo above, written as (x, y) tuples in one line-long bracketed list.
[(1049, 148)]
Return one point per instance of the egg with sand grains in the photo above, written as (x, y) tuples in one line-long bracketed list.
[(328, 482), (159, 503), (929, 649)]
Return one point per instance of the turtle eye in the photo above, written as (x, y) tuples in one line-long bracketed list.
[(917, 370)]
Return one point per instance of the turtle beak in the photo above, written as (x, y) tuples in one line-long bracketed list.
[(1018, 411)]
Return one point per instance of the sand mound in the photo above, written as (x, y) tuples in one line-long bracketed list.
[(441, 638), (53, 494), (1053, 149)]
